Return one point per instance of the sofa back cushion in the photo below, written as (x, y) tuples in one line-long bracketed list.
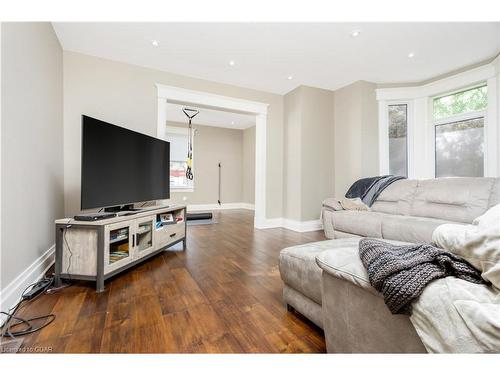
[(459, 199), (396, 198), (495, 194)]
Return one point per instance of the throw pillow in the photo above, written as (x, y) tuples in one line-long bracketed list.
[(478, 243)]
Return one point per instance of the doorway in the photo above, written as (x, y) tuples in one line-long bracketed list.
[(175, 95)]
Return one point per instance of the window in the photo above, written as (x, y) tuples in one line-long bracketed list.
[(398, 124), (459, 133), (178, 138)]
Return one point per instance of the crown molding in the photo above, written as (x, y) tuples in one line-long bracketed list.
[(467, 78)]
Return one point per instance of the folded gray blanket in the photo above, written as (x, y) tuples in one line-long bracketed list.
[(401, 273), (368, 189)]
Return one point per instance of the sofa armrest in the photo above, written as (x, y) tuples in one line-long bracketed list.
[(355, 320), (344, 263)]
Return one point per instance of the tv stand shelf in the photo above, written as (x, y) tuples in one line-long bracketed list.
[(98, 250)]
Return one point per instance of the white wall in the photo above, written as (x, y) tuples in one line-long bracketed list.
[(248, 194), (356, 134), (32, 144), (308, 152), (317, 137), (126, 95), (292, 207)]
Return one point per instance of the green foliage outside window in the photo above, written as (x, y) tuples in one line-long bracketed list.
[(397, 120), (472, 100)]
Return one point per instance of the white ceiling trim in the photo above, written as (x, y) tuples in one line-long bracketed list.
[(210, 100), (467, 78)]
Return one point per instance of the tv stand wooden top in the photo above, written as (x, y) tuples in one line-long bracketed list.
[(125, 215)]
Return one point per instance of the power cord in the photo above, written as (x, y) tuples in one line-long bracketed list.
[(68, 225), (30, 293)]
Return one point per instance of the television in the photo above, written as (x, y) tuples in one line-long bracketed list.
[(121, 167)]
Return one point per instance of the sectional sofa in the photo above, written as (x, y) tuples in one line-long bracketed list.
[(326, 282)]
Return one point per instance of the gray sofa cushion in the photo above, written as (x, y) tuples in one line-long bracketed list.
[(342, 261), (495, 194), (379, 225), (396, 198), (409, 210), (410, 228), (298, 266), (299, 270), (452, 199), (362, 223)]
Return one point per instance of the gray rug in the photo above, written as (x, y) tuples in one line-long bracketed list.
[(201, 222)]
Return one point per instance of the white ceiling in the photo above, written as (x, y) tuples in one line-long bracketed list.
[(322, 55), (210, 117)]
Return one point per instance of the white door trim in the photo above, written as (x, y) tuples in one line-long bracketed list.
[(200, 98)]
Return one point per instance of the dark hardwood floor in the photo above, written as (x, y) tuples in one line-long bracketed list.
[(222, 295)]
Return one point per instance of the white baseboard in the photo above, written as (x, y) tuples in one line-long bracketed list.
[(223, 206), (10, 295), (247, 206), (263, 223), (295, 225), (303, 226)]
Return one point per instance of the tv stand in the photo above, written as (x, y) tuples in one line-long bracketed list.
[(98, 250)]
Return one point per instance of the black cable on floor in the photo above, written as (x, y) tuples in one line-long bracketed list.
[(13, 321)]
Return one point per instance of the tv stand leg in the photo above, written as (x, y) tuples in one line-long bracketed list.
[(58, 260), (99, 287), (100, 260)]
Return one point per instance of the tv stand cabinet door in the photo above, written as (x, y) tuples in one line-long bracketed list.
[(145, 236), (118, 245)]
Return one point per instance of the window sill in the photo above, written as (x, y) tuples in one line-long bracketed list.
[(182, 190)]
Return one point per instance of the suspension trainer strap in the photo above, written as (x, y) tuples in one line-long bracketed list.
[(189, 160)]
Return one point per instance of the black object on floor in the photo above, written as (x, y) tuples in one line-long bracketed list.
[(198, 216), (202, 222)]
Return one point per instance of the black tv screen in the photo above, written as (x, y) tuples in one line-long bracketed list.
[(121, 166)]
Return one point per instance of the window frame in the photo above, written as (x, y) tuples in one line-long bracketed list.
[(459, 118), (384, 161), (458, 91), (421, 160), (182, 131), (408, 106)]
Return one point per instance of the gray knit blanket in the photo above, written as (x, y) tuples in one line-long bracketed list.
[(401, 273)]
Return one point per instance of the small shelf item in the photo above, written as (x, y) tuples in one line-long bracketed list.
[(118, 244), (167, 219)]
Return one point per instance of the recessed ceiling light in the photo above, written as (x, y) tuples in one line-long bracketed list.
[(231, 62), (155, 43), (411, 55), (289, 78), (355, 33), (232, 122)]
